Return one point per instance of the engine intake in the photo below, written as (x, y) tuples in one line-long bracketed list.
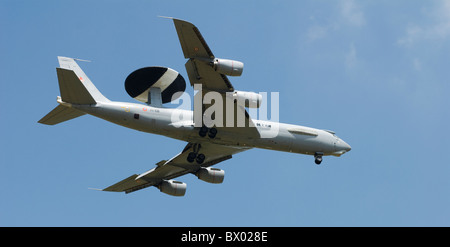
[(211, 175), (173, 188), (228, 67)]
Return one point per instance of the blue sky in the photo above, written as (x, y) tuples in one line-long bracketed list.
[(376, 72)]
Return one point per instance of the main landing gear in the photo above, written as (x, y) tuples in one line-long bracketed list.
[(195, 155), (205, 130), (199, 158), (318, 158)]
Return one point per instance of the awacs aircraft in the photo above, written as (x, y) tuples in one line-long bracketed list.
[(207, 144)]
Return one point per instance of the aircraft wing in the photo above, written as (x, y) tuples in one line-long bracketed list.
[(191, 40), (197, 51), (175, 167), (199, 71)]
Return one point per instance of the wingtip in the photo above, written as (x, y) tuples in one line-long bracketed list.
[(166, 17), (95, 189)]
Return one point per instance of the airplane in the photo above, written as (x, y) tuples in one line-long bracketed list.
[(207, 144)]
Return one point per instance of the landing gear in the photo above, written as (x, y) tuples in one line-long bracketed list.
[(204, 130), (195, 156), (199, 158), (191, 157), (212, 133), (318, 158)]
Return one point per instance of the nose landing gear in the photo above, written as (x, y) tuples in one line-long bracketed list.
[(318, 158)]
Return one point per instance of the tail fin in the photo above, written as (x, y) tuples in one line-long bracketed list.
[(75, 88), (74, 85)]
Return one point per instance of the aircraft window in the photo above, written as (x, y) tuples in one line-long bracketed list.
[(136, 116)]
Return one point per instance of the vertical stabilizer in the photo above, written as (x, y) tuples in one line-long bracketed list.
[(68, 64), (72, 88)]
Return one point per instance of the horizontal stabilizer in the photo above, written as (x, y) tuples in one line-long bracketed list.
[(60, 114)]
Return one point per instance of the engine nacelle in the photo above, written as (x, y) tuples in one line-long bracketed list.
[(228, 67), (250, 99), (211, 175), (173, 188)]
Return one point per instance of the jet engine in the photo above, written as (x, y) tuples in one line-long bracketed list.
[(211, 175), (173, 188), (251, 99), (228, 67)]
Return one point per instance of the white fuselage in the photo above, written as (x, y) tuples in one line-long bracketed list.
[(283, 137)]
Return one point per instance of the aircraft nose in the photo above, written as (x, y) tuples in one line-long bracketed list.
[(347, 147), (343, 146)]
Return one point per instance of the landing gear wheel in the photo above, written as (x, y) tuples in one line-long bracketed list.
[(203, 131), (200, 158), (318, 158), (212, 133), (191, 157)]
